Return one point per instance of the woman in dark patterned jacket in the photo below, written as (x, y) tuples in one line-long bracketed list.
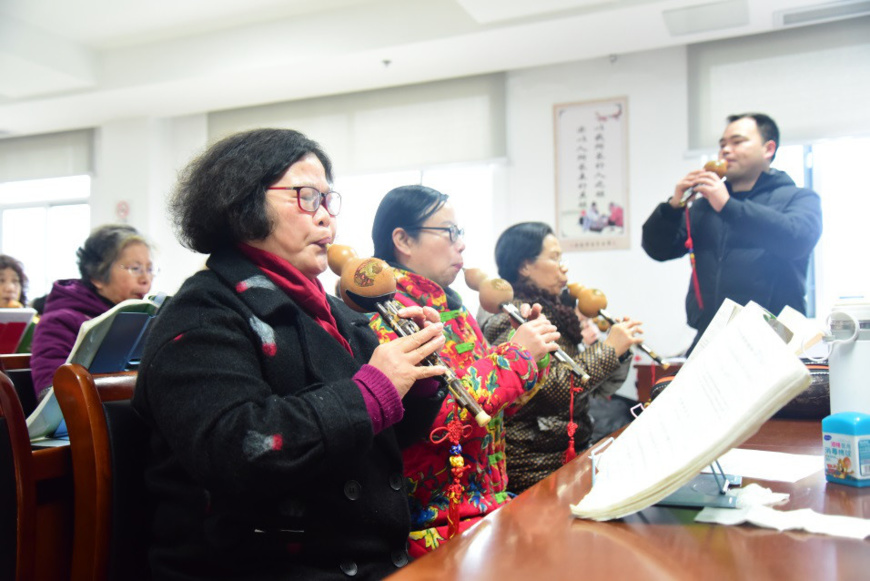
[(276, 418), (541, 436)]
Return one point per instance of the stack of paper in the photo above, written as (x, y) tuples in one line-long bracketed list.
[(741, 373)]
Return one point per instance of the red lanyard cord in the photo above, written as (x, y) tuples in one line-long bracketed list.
[(690, 247)]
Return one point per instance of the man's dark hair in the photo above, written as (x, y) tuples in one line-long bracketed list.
[(403, 207), (220, 198), (518, 244), (766, 127)]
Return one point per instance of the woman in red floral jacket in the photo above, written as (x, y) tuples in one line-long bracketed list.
[(457, 475)]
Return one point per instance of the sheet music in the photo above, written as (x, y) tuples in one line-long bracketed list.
[(742, 377), (725, 313)]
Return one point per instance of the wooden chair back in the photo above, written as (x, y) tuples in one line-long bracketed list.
[(17, 489), (108, 444), (9, 361)]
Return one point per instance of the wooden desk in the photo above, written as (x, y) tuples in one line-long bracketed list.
[(536, 537), (52, 469)]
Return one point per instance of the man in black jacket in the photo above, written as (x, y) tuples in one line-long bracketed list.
[(752, 233)]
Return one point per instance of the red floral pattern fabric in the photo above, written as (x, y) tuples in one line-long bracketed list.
[(500, 378)]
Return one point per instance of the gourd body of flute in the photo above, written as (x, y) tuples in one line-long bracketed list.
[(368, 285), (592, 303), (717, 166), (496, 295)]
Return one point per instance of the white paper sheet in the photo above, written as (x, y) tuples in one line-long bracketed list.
[(783, 520), (763, 465)]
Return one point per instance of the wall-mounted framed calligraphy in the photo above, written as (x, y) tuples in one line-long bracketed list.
[(592, 174)]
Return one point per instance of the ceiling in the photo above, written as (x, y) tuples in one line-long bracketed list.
[(82, 63)]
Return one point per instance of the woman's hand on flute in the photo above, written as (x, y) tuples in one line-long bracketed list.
[(530, 312), (527, 312), (623, 335), (422, 316), (400, 359), (538, 335), (588, 330)]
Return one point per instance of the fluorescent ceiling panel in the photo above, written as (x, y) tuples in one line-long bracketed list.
[(491, 11), (707, 17)]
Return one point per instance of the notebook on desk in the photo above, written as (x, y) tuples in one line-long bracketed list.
[(13, 326)]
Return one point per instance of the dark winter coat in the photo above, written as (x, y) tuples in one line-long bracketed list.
[(264, 463), (69, 304), (756, 249), (537, 435)]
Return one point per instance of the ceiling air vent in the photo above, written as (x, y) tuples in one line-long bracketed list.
[(821, 13)]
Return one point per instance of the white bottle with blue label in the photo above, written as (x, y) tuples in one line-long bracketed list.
[(846, 439)]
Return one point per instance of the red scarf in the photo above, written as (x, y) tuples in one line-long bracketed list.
[(307, 293)]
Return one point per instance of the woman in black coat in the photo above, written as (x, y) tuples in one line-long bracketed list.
[(276, 417)]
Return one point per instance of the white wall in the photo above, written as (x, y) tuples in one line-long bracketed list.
[(656, 86), (137, 161), (793, 73)]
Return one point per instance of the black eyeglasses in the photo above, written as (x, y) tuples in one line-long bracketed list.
[(453, 230), (309, 199)]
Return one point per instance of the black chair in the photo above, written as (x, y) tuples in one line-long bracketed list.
[(23, 382), (17, 489), (109, 444), (17, 367)]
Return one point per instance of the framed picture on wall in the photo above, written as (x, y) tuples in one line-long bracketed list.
[(592, 174)]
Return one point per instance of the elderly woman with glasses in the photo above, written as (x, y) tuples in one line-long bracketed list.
[(554, 425), (277, 420), (456, 474), (115, 265)]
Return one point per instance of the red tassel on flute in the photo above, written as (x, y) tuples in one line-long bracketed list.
[(570, 453), (453, 432)]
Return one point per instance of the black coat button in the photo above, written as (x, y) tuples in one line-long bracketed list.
[(396, 482), (349, 568), (400, 558), (352, 489)]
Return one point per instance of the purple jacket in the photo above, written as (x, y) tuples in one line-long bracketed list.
[(69, 304)]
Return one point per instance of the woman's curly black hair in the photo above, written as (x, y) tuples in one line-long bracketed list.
[(220, 198)]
